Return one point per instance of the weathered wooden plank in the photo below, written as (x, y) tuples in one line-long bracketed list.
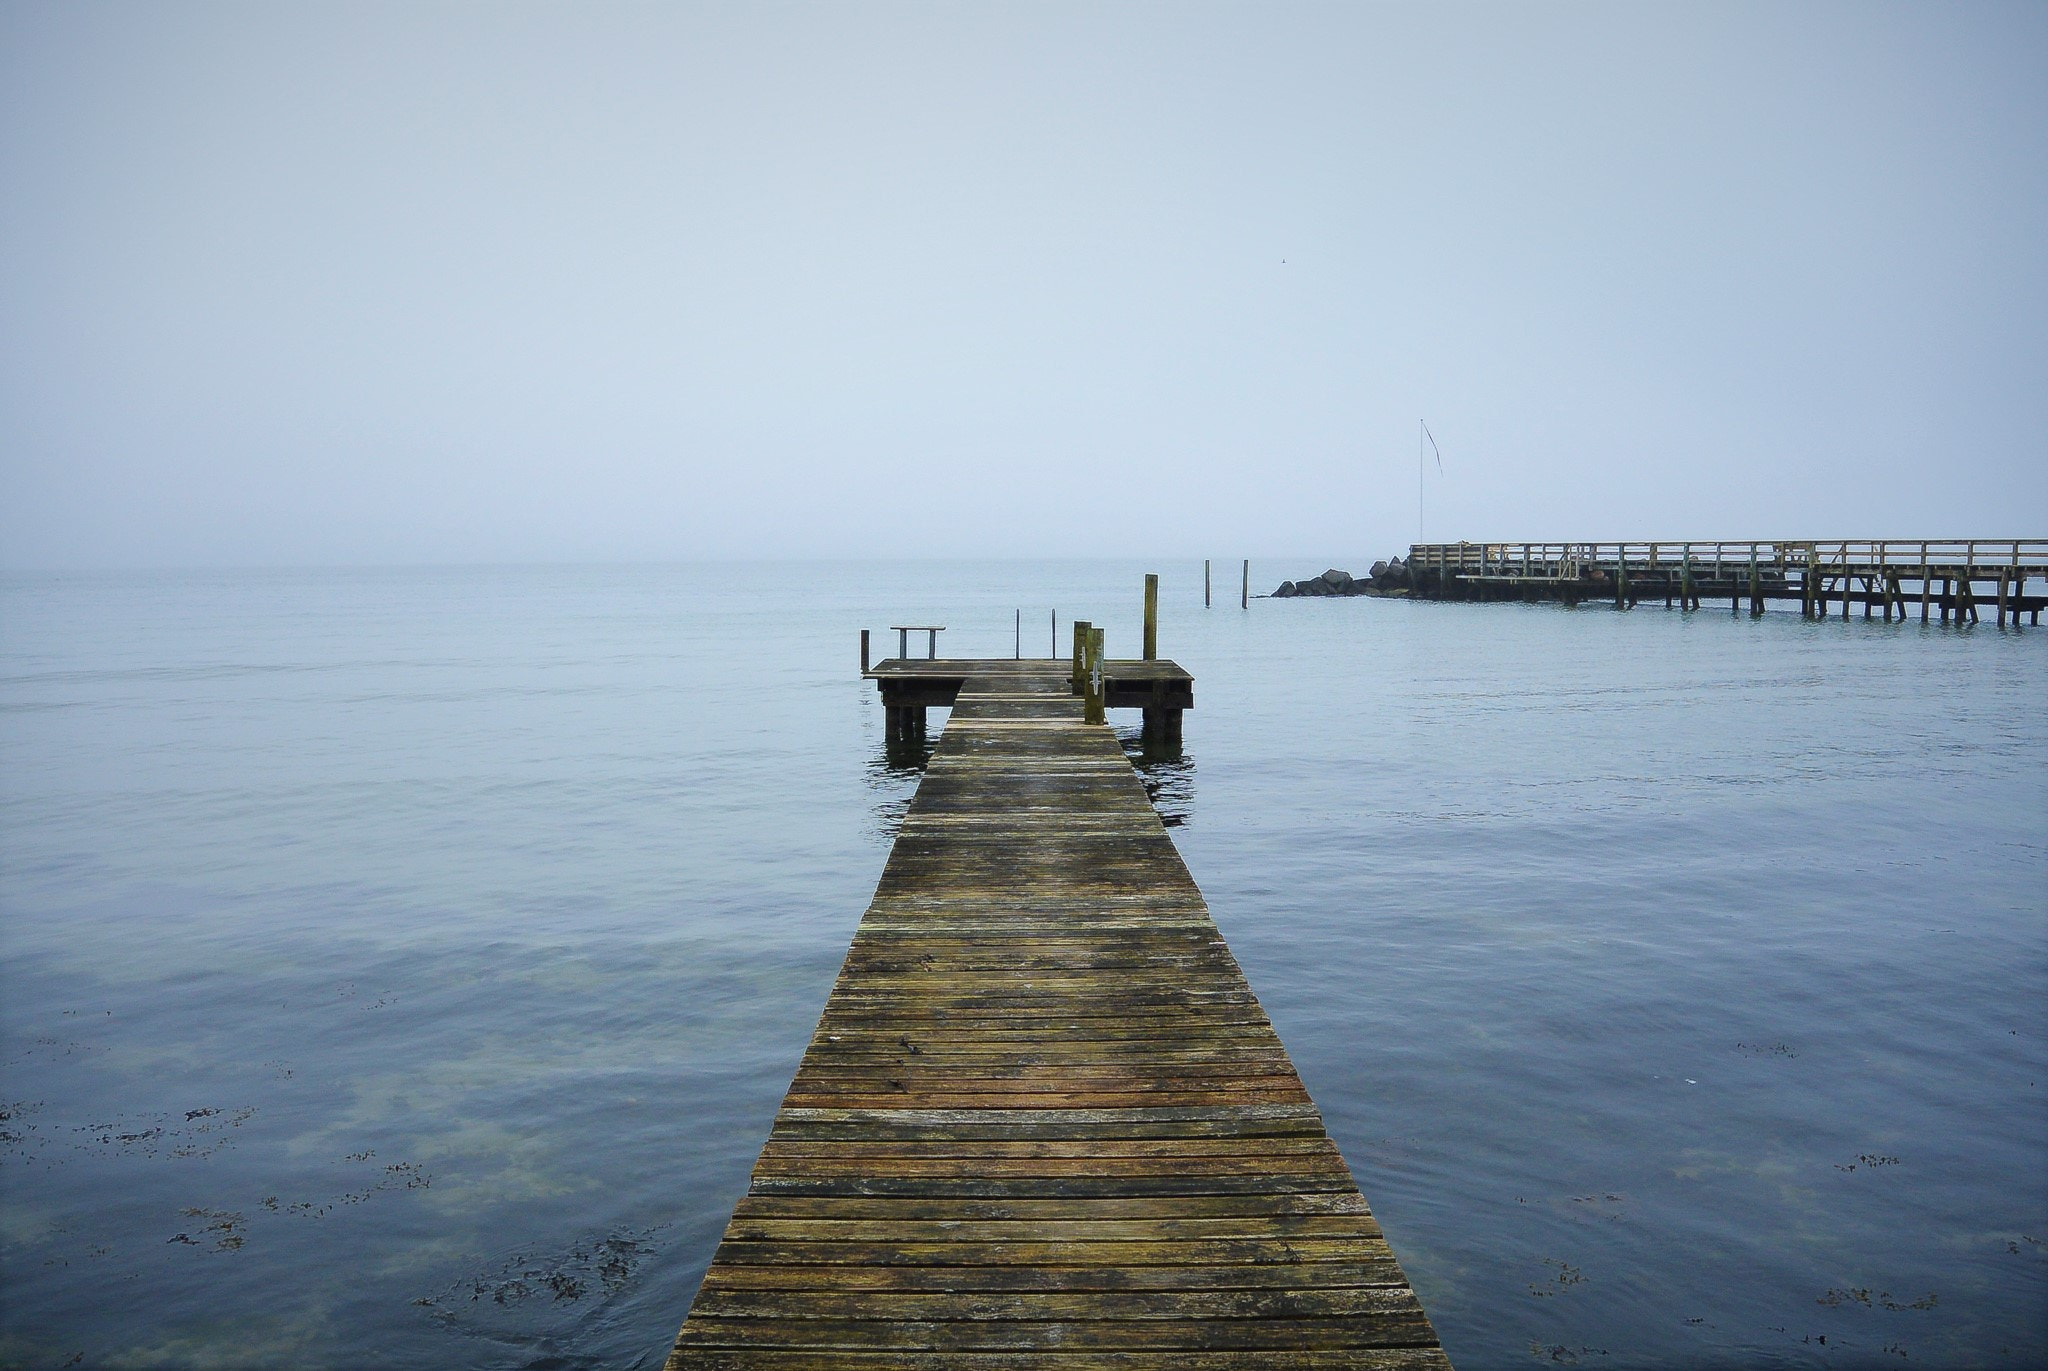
[(849, 1359), (1403, 1328), (1357, 1301), (1051, 1211), (1043, 1120), (1358, 1269)]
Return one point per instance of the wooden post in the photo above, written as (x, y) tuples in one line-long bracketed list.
[(1151, 616), (1926, 582), (1205, 583), (1621, 575), (2003, 579), (863, 652), (1080, 653), (1091, 698), (1806, 585), (1244, 600)]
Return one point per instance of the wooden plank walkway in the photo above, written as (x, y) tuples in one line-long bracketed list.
[(1043, 1122)]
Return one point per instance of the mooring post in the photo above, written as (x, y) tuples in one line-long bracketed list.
[(1806, 584), (863, 652), (1151, 616), (1205, 583), (1055, 635), (1621, 575), (1020, 636), (1244, 599), (1091, 699), (1080, 653)]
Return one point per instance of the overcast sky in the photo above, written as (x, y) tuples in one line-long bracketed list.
[(348, 283)]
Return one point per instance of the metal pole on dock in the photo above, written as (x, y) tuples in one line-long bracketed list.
[(1055, 635), (1020, 635), (1152, 616), (1244, 600), (1205, 583)]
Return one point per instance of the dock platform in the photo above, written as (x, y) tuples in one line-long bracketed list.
[(1043, 1121)]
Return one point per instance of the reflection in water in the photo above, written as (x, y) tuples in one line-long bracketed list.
[(1168, 774), (892, 773)]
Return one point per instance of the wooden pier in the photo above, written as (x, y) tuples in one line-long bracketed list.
[(1958, 580), (1043, 1122)]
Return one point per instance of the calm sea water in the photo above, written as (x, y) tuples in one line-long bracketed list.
[(401, 968)]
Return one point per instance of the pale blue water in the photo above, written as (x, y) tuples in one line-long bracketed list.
[(401, 968)]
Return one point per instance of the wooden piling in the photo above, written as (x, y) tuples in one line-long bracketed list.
[(1080, 652), (1151, 616), (863, 652), (1091, 693)]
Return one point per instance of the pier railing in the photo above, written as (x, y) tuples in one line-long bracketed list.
[(1944, 573), (1940, 556)]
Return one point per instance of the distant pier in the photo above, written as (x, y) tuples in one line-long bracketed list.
[(1952, 580), (1044, 1122)]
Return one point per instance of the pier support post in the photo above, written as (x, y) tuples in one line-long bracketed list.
[(1080, 653), (863, 652), (903, 723), (1091, 697), (1151, 616), (1621, 578)]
